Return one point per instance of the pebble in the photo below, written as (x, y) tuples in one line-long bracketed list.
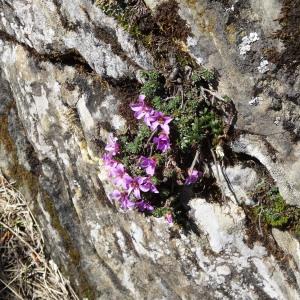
[(223, 270)]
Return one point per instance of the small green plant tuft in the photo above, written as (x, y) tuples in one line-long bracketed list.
[(136, 145), (297, 231), (227, 98), (276, 213), (203, 75), (122, 12), (170, 106), (193, 119), (154, 85), (193, 128), (160, 212)]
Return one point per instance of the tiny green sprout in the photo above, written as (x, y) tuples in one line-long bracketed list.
[(139, 141), (227, 98), (160, 212), (297, 230), (204, 74), (208, 75), (153, 85), (274, 211)]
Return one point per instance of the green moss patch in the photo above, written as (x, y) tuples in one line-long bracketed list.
[(273, 211)]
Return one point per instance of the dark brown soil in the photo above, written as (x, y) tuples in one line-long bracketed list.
[(289, 34)]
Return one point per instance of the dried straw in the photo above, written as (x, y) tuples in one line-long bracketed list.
[(25, 273)]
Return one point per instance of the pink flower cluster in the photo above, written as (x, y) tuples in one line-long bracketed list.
[(154, 120), (129, 189)]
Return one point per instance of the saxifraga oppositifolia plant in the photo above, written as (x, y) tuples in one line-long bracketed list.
[(154, 164)]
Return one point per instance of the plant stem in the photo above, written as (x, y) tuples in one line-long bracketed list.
[(182, 98), (150, 138), (214, 95), (218, 175), (21, 239), (194, 160), (151, 150)]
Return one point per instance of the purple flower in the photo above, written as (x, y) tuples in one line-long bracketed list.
[(169, 217), (112, 147), (150, 117), (118, 170), (148, 164), (134, 185), (162, 142), (144, 206), (193, 176), (119, 173), (159, 119), (141, 110), (147, 186), (108, 160), (123, 199), (142, 97)]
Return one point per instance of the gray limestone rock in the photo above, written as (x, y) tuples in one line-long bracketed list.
[(62, 66)]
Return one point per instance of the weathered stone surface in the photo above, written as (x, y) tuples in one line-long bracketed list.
[(235, 37), (63, 64), (243, 180), (289, 244), (225, 230)]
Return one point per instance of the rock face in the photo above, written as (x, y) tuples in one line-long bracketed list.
[(64, 66)]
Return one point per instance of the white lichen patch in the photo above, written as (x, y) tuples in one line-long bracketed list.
[(277, 121), (138, 238), (192, 42), (215, 223), (8, 55), (118, 122), (263, 67), (86, 118), (94, 231), (155, 251), (65, 159), (255, 101), (223, 270), (128, 283), (245, 45), (121, 240), (269, 285), (231, 8)]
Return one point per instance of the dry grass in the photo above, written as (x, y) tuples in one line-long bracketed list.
[(24, 271)]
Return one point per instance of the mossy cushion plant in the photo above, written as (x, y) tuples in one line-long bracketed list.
[(275, 212), (151, 165)]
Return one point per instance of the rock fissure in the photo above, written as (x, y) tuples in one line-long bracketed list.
[(68, 99), (70, 57)]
